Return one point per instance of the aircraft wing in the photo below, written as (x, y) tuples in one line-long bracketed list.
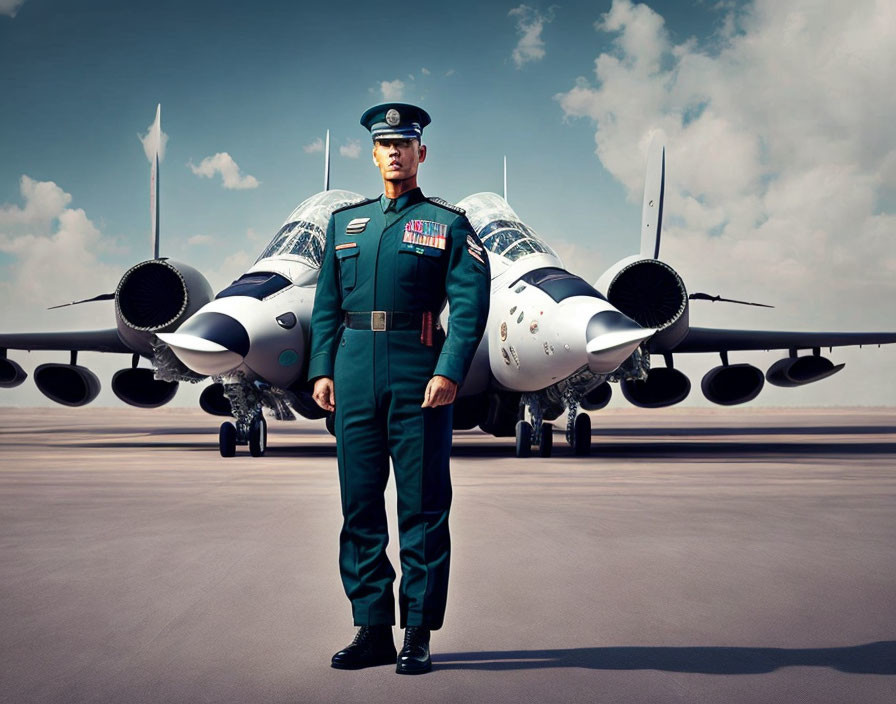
[(717, 340), (81, 340)]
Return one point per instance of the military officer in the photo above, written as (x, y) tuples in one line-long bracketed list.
[(380, 359)]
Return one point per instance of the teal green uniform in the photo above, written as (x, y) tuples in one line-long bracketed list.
[(405, 255)]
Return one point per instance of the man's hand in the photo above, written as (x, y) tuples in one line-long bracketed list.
[(323, 394), (440, 391)]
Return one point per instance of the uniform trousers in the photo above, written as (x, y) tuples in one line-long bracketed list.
[(380, 379)]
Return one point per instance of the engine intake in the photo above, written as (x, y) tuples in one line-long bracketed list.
[(796, 371), (502, 414), (732, 384), (11, 374), (651, 293), (213, 401), (67, 384), (156, 296), (140, 388), (597, 398), (469, 411), (663, 387)]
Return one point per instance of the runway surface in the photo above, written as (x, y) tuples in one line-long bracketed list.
[(698, 556)]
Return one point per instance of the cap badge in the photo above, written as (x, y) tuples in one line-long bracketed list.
[(392, 117)]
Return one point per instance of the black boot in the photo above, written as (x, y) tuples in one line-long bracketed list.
[(414, 656), (373, 645)]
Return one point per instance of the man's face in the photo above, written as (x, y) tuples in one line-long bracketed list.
[(398, 159)]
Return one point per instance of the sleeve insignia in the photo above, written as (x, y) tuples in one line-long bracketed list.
[(474, 244), (476, 255)]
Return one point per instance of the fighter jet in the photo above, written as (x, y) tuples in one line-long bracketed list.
[(550, 341), (152, 296), (253, 337), (547, 349)]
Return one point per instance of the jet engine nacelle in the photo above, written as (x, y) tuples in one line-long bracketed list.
[(140, 388), (469, 411), (796, 371), (597, 398), (67, 384), (651, 293), (732, 384), (213, 401), (156, 296), (501, 414), (663, 387), (11, 374)]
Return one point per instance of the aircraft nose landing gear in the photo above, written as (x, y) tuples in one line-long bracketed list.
[(578, 431), (533, 431), (253, 433), (258, 436), (523, 438), (227, 439)]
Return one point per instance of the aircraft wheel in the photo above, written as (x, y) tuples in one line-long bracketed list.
[(582, 433), (331, 424), (547, 440), (523, 438), (258, 437), (227, 439)]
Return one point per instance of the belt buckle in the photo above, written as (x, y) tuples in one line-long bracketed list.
[(378, 320)]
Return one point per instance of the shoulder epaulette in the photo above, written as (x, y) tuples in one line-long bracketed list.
[(355, 204), (445, 204)]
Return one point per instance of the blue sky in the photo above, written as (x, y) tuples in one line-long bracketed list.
[(781, 169), (82, 79)]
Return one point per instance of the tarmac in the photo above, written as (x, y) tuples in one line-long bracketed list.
[(699, 555)]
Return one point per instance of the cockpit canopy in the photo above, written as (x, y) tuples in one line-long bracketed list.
[(303, 235), (501, 229)]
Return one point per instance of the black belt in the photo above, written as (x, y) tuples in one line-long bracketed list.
[(383, 320)]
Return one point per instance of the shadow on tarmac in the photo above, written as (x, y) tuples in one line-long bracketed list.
[(657, 442), (872, 658), (678, 451), (745, 430)]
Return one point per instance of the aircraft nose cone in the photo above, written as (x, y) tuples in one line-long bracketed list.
[(611, 338), (209, 343)]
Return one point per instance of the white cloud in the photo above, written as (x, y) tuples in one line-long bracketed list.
[(316, 146), (150, 139), (44, 201), (10, 7), (392, 90), (425, 71), (779, 154), (449, 72), (529, 25), (200, 239), (222, 163), (351, 149), (55, 257)]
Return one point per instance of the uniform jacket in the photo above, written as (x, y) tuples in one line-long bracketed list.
[(408, 259)]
